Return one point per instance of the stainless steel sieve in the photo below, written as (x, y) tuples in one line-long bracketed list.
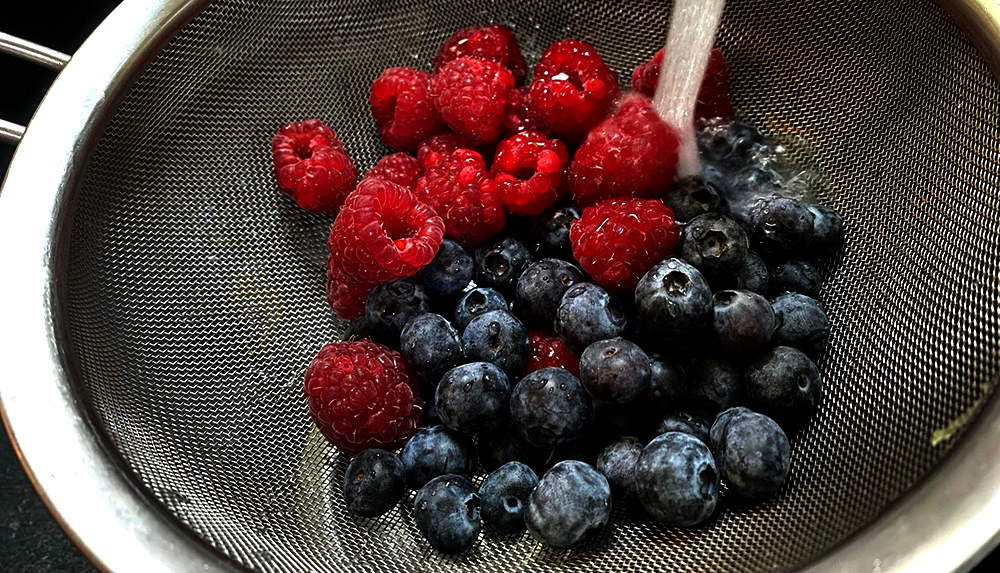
[(162, 300)]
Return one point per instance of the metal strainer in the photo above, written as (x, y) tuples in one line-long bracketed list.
[(162, 300)]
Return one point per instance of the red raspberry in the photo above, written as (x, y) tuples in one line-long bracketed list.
[(495, 44), (383, 233), (618, 240), (713, 96), (472, 98), (521, 115), (548, 350), (632, 153), (461, 190), (363, 395), (311, 166), (399, 168), (572, 88), (529, 168), (437, 149), (403, 109)]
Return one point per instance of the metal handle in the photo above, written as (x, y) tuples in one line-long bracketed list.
[(13, 132)]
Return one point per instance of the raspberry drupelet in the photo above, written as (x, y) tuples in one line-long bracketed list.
[(461, 191), (494, 43), (399, 168), (363, 395), (521, 114), (403, 109), (616, 241), (548, 350), (471, 96), (311, 166), (572, 88), (713, 95), (530, 170)]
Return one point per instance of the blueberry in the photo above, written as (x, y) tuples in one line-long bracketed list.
[(504, 497), (391, 305), (795, 276), (570, 505), (359, 329), (617, 462), (614, 370), (686, 424), (549, 407), (753, 275), (782, 226), (752, 452), (677, 480), (450, 271), (828, 231), (431, 345), (716, 430), (801, 323), (550, 231), (436, 451), (785, 384), (729, 144), (588, 313), (541, 288), (502, 444), (692, 196), (374, 482), (673, 299), (446, 511), (743, 323), (473, 397), (500, 262), (498, 337), (476, 302), (716, 383), (714, 244), (668, 385), (749, 189)]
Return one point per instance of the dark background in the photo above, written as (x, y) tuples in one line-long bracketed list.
[(30, 539)]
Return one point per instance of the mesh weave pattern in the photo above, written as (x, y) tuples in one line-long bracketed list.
[(196, 291)]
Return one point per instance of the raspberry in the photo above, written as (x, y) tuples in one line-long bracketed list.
[(548, 350), (495, 44), (529, 169), (437, 148), (713, 95), (403, 109), (363, 395), (472, 98), (632, 153), (311, 166), (399, 168), (521, 115), (618, 240), (383, 233), (572, 88), (460, 189)]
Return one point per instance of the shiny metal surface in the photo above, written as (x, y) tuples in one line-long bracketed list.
[(168, 298), (10, 132), (31, 51)]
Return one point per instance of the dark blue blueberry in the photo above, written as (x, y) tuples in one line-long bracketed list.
[(391, 305), (473, 397), (498, 337), (802, 324), (550, 231), (714, 244), (450, 271), (668, 385), (795, 276), (541, 288), (588, 313), (500, 262), (446, 511), (673, 299), (828, 231), (748, 189), (752, 452), (686, 424), (359, 329), (743, 322), (549, 407), (753, 275), (715, 432), (716, 383), (374, 483), (782, 226), (677, 480), (784, 384), (617, 462), (431, 345), (720, 182), (570, 505), (614, 370), (504, 494), (436, 451), (502, 444), (692, 196), (476, 302), (729, 144)]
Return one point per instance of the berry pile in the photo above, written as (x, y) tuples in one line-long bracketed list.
[(533, 293)]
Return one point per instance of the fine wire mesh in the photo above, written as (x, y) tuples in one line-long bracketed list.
[(196, 291)]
